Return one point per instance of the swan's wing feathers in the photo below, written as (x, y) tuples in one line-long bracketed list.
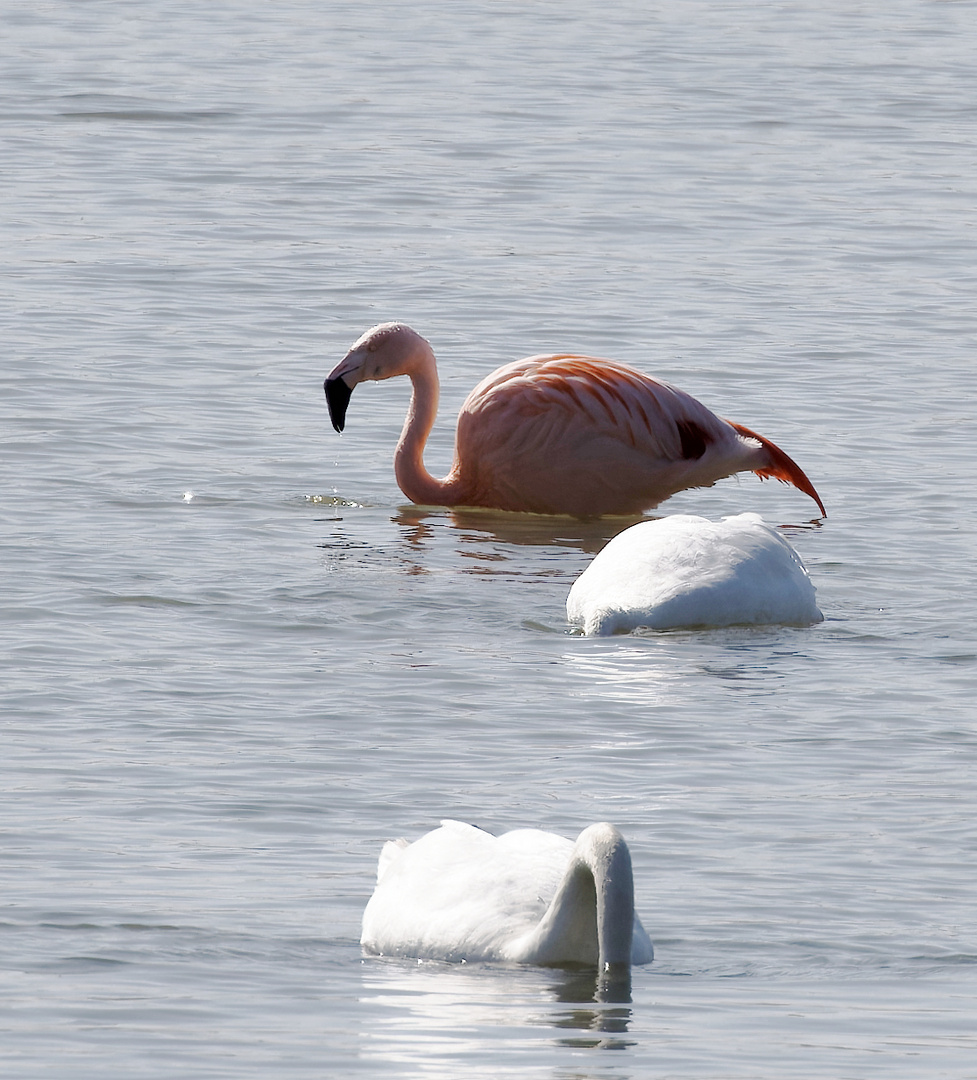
[(683, 571), (388, 853), (642, 949), (460, 893), (462, 829)]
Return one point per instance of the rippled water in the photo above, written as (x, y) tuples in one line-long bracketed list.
[(234, 662)]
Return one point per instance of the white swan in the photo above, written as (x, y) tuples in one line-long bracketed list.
[(685, 571), (531, 897)]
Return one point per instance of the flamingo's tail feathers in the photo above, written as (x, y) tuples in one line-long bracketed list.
[(781, 466)]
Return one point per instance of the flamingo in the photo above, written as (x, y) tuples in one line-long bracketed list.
[(684, 571), (530, 897), (558, 434)]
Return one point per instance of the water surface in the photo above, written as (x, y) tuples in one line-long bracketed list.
[(235, 662)]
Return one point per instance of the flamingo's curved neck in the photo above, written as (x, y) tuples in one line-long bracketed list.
[(412, 477)]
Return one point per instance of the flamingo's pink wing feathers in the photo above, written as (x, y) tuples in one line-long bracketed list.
[(602, 434)]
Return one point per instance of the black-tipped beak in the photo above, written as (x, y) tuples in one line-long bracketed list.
[(337, 398)]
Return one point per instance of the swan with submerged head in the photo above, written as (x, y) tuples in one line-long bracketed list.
[(527, 896), (683, 571), (556, 434)]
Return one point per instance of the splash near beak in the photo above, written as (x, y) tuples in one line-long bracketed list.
[(337, 398)]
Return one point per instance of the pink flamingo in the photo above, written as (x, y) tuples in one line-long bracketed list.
[(556, 434)]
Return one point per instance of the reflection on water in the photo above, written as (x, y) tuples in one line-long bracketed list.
[(654, 667), (432, 543), (605, 1023), (635, 673), (434, 1010), (581, 984), (606, 1026), (525, 530), (423, 541)]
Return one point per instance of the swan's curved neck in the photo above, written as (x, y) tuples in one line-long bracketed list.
[(412, 477), (591, 918)]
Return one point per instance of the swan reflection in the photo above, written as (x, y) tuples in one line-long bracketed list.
[(629, 671), (442, 1014), (601, 1024), (658, 667)]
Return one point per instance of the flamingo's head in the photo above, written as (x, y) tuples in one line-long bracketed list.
[(381, 353)]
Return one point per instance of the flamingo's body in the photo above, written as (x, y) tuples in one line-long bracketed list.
[(527, 896), (557, 434), (684, 571)]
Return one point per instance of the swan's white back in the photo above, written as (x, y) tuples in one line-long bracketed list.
[(459, 893), (685, 571)]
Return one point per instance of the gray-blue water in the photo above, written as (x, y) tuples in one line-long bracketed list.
[(234, 661)]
